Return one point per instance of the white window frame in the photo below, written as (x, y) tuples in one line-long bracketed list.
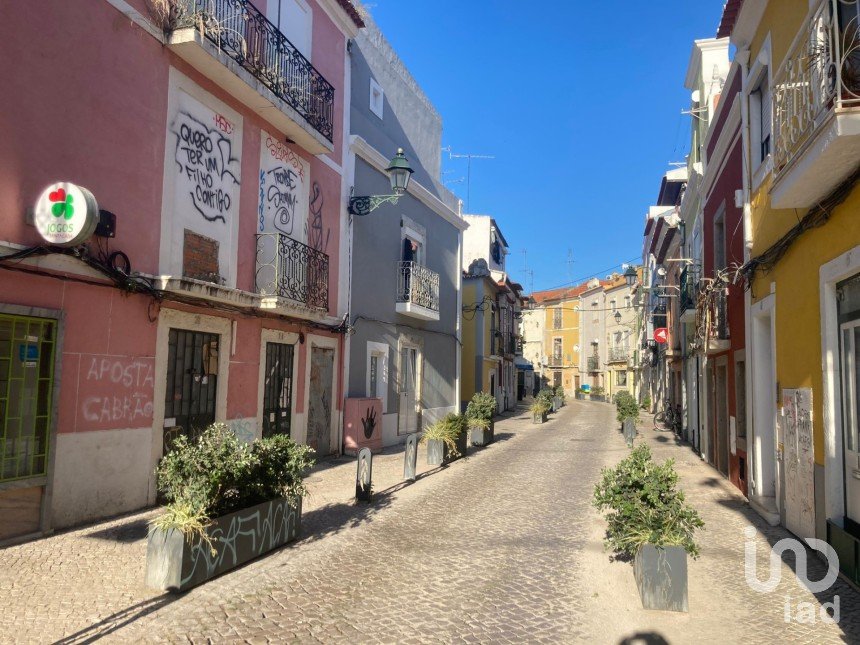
[(759, 76), (380, 350)]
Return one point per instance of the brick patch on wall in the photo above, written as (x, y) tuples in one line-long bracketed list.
[(200, 258)]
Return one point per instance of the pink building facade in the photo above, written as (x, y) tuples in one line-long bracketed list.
[(217, 142)]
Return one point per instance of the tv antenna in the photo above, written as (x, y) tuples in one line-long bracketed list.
[(570, 265), (469, 156)]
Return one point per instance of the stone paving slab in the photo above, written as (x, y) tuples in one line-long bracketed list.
[(503, 546)]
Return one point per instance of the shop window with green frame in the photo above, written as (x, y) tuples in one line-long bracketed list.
[(26, 394)]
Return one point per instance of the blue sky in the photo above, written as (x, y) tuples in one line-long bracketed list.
[(579, 102)]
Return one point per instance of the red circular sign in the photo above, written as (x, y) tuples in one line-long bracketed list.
[(661, 334)]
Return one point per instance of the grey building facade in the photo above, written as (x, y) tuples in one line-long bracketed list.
[(405, 295)]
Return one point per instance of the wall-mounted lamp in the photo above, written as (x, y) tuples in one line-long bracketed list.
[(617, 317), (399, 173), (630, 276)]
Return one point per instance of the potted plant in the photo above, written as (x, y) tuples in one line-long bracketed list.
[(598, 394), (581, 393), (646, 403), (547, 395), (650, 521), (559, 394), (539, 409), (627, 414), (228, 502), (480, 413), (446, 439)]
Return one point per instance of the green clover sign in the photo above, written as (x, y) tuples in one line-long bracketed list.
[(61, 204)]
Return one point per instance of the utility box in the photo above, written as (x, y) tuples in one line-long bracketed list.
[(362, 425)]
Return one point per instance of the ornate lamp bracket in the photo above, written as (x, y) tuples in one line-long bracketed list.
[(365, 204)]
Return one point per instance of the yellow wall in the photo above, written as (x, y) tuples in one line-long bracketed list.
[(569, 333), (797, 310)]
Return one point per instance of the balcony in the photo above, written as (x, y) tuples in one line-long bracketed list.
[(593, 364), (291, 272), (817, 107), (618, 354), (417, 291), (233, 44), (689, 293)]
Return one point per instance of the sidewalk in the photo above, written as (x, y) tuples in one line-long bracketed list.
[(89, 581), (723, 607)]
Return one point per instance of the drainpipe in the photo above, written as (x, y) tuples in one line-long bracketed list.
[(743, 58), (458, 347)]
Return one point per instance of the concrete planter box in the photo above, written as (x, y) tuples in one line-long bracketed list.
[(598, 397), (438, 453), (581, 396), (482, 437), (661, 575), (556, 404), (174, 564), (539, 418)]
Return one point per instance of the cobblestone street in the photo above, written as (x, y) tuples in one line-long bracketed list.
[(500, 547)]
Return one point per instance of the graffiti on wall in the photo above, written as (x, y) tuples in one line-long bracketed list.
[(207, 167), (318, 235), (283, 190), (115, 392)]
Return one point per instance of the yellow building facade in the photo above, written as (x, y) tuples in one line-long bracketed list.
[(802, 266), (559, 362)]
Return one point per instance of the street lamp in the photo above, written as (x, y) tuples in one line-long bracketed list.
[(630, 276), (617, 317), (399, 173)]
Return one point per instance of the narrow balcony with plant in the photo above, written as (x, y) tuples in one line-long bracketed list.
[(212, 35)]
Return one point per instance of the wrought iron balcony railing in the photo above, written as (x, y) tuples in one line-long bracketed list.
[(242, 32), (618, 354), (289, 269), (418, 285), (689, 287), (719, 316), (820, 74), (593, 363)]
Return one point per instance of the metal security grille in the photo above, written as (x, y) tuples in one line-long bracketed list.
[(192, 383), (26, 389), (278, 389)]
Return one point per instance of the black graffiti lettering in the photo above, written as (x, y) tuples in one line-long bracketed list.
[(318, 238), (204, 157)]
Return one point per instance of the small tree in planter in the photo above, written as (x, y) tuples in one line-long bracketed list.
[(215, 485), (446, 439), (546, 395), (480, 413), (650, 521), (598, 394), (559, 394), (581, 393), (627, 414), (646, 403), (539, 409)]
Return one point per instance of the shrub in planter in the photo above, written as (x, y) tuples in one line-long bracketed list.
[(581, 394), (559, 392), (646, 403), (214, 485), (649, 520), (480, 413), (626, 407), (598, 394), (446, 439), (546, 395), (539, 410)]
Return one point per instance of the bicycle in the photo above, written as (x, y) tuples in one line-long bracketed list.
[(670, 417)]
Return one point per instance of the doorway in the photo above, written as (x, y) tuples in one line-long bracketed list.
[(192, 384), (848, 298), (278, 389), (764, 401), (320, 399), (721, 411), (407, 419)]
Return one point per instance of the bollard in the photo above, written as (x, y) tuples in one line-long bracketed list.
[(363, 475), (629, 427), (410, 457)]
